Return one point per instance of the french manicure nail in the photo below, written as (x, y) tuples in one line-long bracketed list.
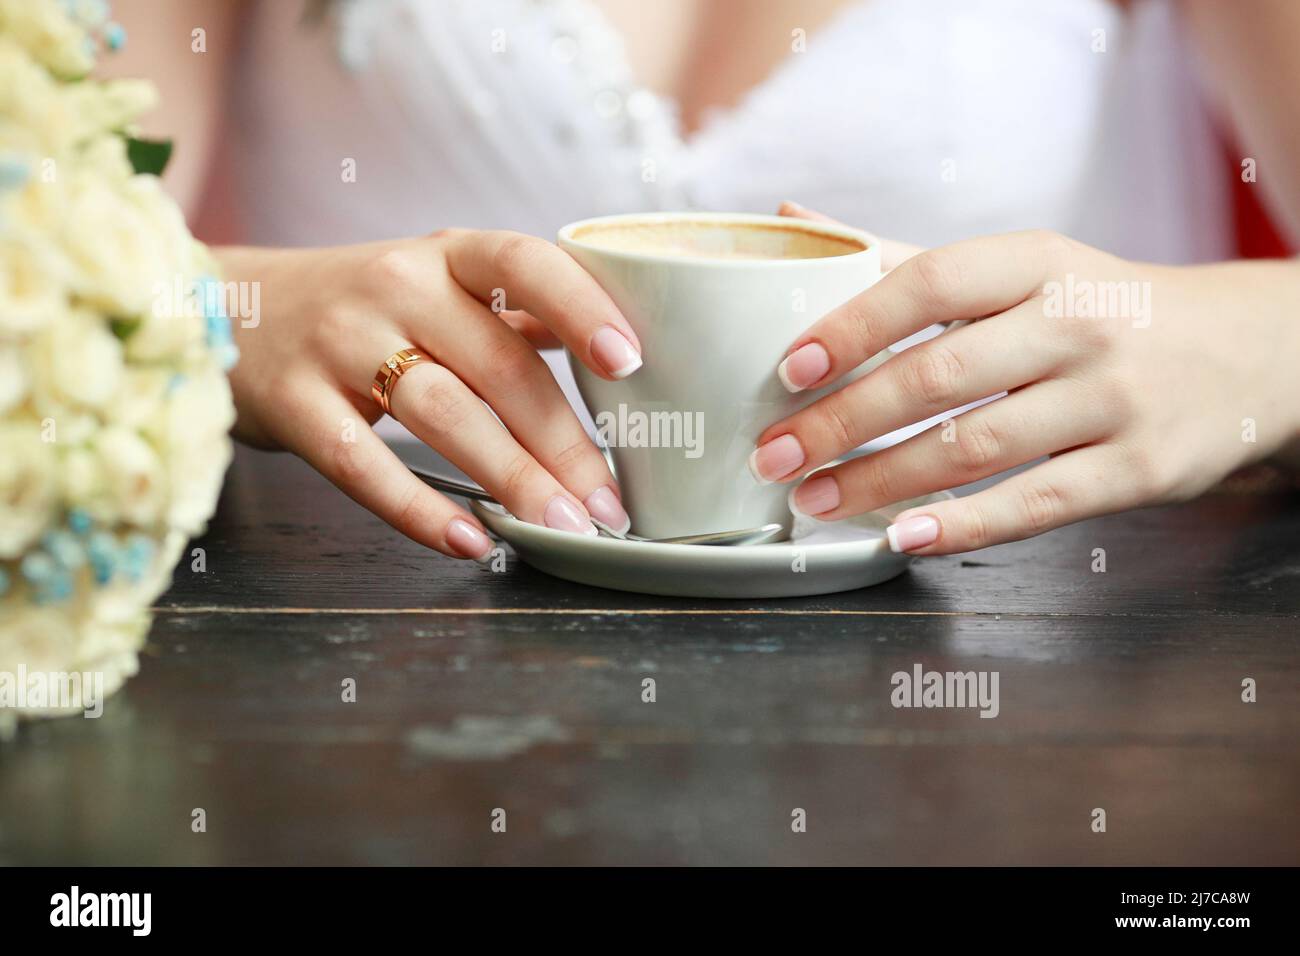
[(563, 515), (614, 352), (912, 533), (775, 459), (603, 505), (815, 496), (467, 540), (805, 365)]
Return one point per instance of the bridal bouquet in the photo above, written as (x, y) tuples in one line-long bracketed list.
[(114, 405)]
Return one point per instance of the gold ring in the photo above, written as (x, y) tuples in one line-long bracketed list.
[(397, 364)]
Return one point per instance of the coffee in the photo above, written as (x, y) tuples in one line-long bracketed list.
[(701, 239)]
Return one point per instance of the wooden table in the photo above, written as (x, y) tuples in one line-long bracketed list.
[(478, 691)]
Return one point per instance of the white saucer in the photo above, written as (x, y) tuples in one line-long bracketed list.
[(834, 556)]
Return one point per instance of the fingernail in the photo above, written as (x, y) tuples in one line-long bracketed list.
[(467, 540), (563, 515), (777, 458), (815, 496), (614, 352), (603, 505), (912, 533), (805, 365)]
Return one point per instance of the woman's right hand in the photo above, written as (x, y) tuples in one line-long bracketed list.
[(471, 300)]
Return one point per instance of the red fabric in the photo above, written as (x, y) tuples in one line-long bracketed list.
[(1256, 236)]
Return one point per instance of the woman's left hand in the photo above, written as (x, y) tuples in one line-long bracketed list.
[(1144, 384)]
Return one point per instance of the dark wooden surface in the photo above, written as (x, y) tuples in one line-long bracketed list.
[(479, 690)]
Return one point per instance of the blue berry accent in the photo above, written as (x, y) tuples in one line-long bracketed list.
[(79, 521), (115, 35), (217, 323), (38, 567), (137, 557), (54, 590), (227, 357), (65, 548), (102, 551), (218, 329), (210, 295), (14, 173)]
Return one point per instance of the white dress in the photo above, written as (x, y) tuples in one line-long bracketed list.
[(921, 120)]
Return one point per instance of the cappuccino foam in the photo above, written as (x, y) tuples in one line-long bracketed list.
[(717, 240)]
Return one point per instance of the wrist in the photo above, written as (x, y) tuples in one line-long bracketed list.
[(1254, 308)]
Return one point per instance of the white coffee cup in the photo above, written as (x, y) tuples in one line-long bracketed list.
[(716, 304)]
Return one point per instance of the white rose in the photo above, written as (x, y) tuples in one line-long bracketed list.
[(61, 640), (28, 483), (31, 295), (122, 602), (109, 106), (82, 483), (123, 239), (40, 638), (44, 29), (134, 481), (33, 220), (172, 327), (109, 648), (144, 391), (193, 432), (13, 378), (33, 103), (75, 364)]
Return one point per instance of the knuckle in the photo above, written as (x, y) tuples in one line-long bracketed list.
[(513, 364), (516, 252), (514, 477), (1043, 505), (411, 516), (394, 270), (569, 308), (840, 426), (862, 324), (443, 402), (351, 464), (874, 482), (335, 324), (975, 531), (938, 276), (978, 448), (573, 454), (1118, 399), (933, 374), (1146, 474), (1055, 248), (1093, 336)]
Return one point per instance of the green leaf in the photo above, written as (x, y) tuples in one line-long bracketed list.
[(123, 328), (148, 155)]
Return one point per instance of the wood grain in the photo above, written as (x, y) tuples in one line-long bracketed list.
[(478, 691)]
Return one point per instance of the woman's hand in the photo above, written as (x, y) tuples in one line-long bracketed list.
[(1145, 384), (471, 301)]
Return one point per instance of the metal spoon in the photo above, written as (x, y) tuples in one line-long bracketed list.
[(737, 538)]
